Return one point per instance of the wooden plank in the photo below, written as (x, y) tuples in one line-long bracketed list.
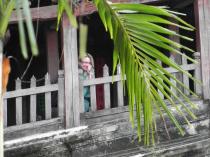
[(42, 13), (81, 97), (61, 93), (90, 7), (31, 91), (5, 112), (197, 74), (48, 107), (203, 38), (19, 118), (32, 128), (50, 12), (120, 97), (33, 101), (106, 88), (69, 38), (93, 95), (117, 78)]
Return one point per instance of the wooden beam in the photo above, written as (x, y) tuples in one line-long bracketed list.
[(50, 12), (42, 13), (202, 13), (90, 7), (69, 38), (183, 4)]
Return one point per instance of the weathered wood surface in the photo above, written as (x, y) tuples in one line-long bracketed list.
[(50, 12), (120, 97), (24, 130), (61, 93), (42, 13), (93, 96), (117, 78), (30, 91), (202, 13), (69, 35), (107, 98), (33, 101), (48, 107), (19, 118)]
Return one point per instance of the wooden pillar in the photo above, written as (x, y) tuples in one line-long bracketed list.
[(52, 54), (1, 103), (202, 21), (69, 38)]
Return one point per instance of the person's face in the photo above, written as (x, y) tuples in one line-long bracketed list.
[(86, 64)]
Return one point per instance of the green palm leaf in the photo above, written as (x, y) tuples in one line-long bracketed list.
[(138, 33)]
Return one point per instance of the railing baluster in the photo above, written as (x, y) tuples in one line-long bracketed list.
[(120, 97), (93, 95), (5, 112), (61, 93), (159, 92), (197, 75), (19, 118), (81, 97), (33, 101), (185, 78), (48, 108), (106, 88)]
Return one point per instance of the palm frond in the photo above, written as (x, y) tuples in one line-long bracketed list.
[(138, 32)]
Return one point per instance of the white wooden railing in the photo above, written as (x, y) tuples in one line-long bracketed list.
[(108, 80), (32, 92)]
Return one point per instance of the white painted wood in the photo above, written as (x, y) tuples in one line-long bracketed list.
[(69, 35), (120, 97), (106, 88), (48, 107), (198, 88), (61, 93), (33, 101), (31, 91), (185, 78), (19, 118), (5, 112), (93, 95)]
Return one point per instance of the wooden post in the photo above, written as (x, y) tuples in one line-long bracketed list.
[(120, 97), (61, 93), (48, 107), (197, 74), (52, 54), (33, 101), (69, 35), (1, 104), (202, 22), (19, 118), (106, 88), (93, 95)]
